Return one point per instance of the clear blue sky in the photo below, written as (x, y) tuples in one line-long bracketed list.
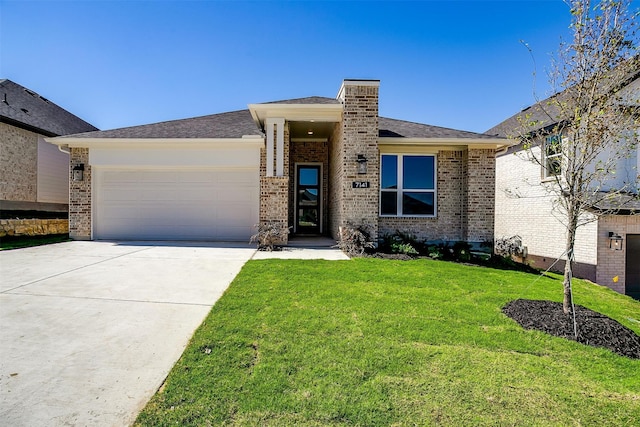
[(457, 64)]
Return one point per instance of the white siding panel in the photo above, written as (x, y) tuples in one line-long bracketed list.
[(53, 174)]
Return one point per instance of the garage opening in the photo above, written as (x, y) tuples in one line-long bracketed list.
[(176, 204), (632, 273)]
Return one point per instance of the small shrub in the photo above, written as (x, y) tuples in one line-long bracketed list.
[(462, 251), (435, 251), (403, 248), (354, 240), (270, 235)]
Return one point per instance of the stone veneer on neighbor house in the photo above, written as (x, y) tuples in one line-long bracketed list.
[(19, 159)]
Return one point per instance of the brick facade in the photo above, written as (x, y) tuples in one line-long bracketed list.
[(335, 173), (480, 194), (451, 202), (80, 197), (611, 263), (18, 164), (359, 136), (525, 207)]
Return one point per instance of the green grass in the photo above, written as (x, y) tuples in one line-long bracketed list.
[(373, 342), (10, 242)]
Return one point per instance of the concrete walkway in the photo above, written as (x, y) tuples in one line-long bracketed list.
[(89, 330), (306, 248)]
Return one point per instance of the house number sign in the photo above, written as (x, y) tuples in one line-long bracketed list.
[(360, 184)]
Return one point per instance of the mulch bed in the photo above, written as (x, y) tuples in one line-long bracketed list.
[(594, 329)]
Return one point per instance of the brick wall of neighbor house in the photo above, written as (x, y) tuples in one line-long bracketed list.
[(526, 208), (359, 136), (80, 197), (451, 204), (309, 152), (480, 194), (613, 263), (18, 164), (335, 196), (274, 190)]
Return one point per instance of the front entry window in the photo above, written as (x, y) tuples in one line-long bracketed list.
[(308, 199)]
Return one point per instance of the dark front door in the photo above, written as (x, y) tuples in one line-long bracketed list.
[(308, 199), (632, 274)]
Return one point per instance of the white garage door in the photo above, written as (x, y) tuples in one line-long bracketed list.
[(180, 204)]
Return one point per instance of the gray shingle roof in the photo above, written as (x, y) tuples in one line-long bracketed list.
[(389, 128), (307, 100), (547, 112), (22, 107), (233, 124)]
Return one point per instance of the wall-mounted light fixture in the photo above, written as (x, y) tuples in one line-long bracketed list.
[(615, 241), (362, 164), (78, 172)]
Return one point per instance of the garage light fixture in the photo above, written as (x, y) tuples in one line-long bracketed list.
[(615, 241), (78, 172)]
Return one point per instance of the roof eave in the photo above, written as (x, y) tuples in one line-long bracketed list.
[(486, 143), (245, 141)]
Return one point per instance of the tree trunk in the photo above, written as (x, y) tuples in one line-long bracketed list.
[(568, 266)]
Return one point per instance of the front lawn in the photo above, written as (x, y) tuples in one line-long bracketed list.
[(373, 342)]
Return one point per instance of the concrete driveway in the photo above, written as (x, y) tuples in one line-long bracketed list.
[(89, 330)]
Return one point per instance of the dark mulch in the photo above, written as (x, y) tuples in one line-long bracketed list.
[(594, 329)]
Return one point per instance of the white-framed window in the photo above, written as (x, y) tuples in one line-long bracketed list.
[(552, 152), (408, 185)]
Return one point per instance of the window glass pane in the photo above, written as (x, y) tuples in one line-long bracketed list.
[(553, 145), (554, 166), (417, 172), (417, 203), (308, 197), (308, 176), (389, 172), (388, 203)]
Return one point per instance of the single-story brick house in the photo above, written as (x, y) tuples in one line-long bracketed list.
[(313, 164)]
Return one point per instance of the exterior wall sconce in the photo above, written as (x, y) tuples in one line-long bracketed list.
[(362, 164), (615, 241), (78, 172)]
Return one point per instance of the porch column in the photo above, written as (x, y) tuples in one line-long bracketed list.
[(277, 125)]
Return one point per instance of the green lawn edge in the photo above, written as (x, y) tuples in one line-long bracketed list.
[(378, 342)]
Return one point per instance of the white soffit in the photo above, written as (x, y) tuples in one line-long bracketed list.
[(448, 143), (296, 112)]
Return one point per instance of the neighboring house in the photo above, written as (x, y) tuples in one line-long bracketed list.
[(525, 204), (313, 164), (34, 174)]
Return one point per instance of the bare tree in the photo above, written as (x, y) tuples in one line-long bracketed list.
[(581, 135)]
